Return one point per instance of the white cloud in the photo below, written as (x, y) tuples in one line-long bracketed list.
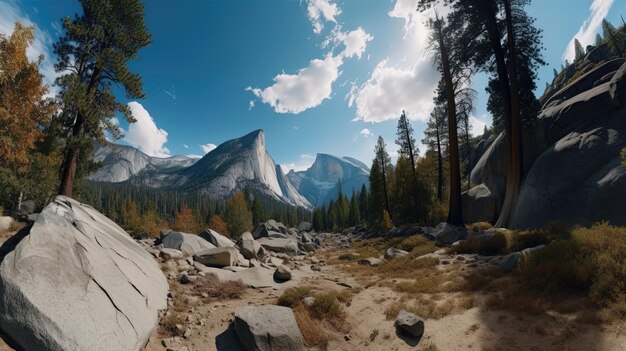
[(144, 134), (250, 105), (208, 147), (295, 127), (320, 11), (389, 90), (355, 41), (587, 32), (193, 156), (410, 86), (186, 146), (42, 45), (478, 125), (303, 163), (366, 133), (295, 93)]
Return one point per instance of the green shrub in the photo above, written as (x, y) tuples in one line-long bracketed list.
[(487, 246), (592, 261), (293, 296)]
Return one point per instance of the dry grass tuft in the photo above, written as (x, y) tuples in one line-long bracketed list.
[(293, 296), (312, 333), (429, 308), (478, 226), (216, 289)]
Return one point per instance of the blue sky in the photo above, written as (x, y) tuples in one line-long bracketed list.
[(318, 76)]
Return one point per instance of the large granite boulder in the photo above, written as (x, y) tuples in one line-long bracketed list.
[(77, 281), (262, 230), (215, 238), (447, 234), (410, 324), (268, 328), (287, 246), (617, 88), (479, 205), (189, 244), (217, 257), (248, 247), (305, 227), (580, 180)]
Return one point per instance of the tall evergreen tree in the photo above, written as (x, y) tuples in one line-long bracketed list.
[(354, 216), (380, 171), (363, 202), (578, 50), (237, 215), (611, 35), (93, 56), (436, 138), (408, 149)]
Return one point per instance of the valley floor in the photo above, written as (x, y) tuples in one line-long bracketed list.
[(474, 315), (467, 305)]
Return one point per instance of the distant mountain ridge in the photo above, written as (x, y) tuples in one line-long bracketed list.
[(237, 164), (319, 183)]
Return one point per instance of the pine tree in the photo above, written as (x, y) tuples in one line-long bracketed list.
[(354, 216), (380, 179), (318, 220), (436, 138), (93, 56), (237, 215), (612, 37), (579, 51), (599, 40), (363, 202)]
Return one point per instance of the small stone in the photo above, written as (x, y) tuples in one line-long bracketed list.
[(308, 301), (185, 279), (282, 273), (410, 323), (316, 268), (187, 333), (347, 337)]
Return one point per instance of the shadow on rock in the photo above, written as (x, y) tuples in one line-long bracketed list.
[(408, 339), (228, 340)]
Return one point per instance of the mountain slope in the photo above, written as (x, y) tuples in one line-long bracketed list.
[(121, 162), (235, 165), (319, 183)]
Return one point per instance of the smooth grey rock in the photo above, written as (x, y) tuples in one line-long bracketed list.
[(287, 246), (170, 254), (308, 301), (371, 261), (248, 247), (511, 261), (447, 233), (215, 238), (305, 227), (268, 328), (189, 244), (77, 281), (282, 273), (393, 252), (217, 257), (410, 323), (5, 223), (479, 205)]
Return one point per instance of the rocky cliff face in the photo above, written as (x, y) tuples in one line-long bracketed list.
[(232, 166), (120, 162), (572, 158), (319, 183)]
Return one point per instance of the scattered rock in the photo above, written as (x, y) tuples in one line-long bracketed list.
[(410, 323), (189, 244), (217, 257), (393, 252), (268, 328), (282, 273), (316, 268), (447, 233), (305, 227), (216, 238), (371, 261), (287, 246), (512, 260), (248, 247), (308, 301)]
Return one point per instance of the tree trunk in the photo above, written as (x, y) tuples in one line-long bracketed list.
[(414, 169), (491, 24), (455, 212), (514, 133), (70, 165), (439, 166), (384, 169)]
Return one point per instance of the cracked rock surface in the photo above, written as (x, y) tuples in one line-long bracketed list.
[(77, 281)]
